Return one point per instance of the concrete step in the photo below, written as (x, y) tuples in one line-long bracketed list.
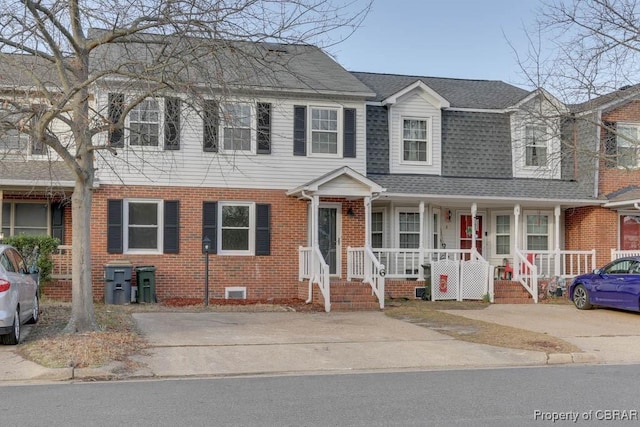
[(355, 306)]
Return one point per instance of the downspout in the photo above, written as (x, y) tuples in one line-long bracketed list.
[(597, 160), (306, 196)]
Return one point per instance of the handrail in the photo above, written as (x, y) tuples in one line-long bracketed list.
[(527, 274), (312, 266), (374, 274)]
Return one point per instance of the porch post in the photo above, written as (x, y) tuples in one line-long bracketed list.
[(516, 239), (315, 204), (421, 243), (556, 213), (367, 221), (474, 212)]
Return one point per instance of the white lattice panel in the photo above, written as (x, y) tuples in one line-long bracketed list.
[(445, 279), (473, 279)]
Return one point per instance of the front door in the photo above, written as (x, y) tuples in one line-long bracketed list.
[(329, 236), (465, 233)]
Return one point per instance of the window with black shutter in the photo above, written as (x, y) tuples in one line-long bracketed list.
[(57, 221), (115, 110), (114, 226), (171, 227), (172, 123), (209, 224), (263, 126), (299, 130), (349, 137), (263, 229), (211, 123)]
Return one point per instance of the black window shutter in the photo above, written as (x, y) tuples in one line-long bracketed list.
[(209, 224), (299, 130), (263, 229), (171, 123), (610, 144), (114, 226), (264, 128), (116, 108), (210, 122), (57, 222), (349, 137), (171, 226)]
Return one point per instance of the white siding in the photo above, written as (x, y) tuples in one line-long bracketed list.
[(534, 114), (415, 105), (191, 166)]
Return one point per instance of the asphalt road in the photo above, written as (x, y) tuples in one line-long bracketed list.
[(491, 397)]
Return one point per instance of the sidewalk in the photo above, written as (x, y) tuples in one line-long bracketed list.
[(228, 344)]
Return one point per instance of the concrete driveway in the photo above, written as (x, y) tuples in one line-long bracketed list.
[(611, 336)]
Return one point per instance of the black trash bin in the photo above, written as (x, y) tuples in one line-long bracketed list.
[(117, 282), (427, 282), (146, 279)]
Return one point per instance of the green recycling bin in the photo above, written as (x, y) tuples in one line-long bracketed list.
[(146, 280)]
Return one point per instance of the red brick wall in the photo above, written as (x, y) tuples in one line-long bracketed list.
[(592, 228), (182, 275)]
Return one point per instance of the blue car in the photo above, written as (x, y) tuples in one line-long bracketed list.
[(616, 285)]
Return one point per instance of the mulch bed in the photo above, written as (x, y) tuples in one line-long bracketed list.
[(290, 304)]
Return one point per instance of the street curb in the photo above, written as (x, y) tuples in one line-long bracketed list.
[(55, 374)]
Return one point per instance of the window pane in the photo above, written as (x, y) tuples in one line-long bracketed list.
[(144, 123), (143, 214), (537, 224), (6, 215), (376, 221), (502, 224), (409, 222), (376, 240), (143, 238), (30, 215), (235, 239), (502, 245), (537, 243), (235, 216), (409, 241)]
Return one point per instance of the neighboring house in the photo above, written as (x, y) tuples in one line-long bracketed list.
[(308, 178), (608, 127)]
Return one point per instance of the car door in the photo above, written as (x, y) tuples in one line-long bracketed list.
[(628, 290), (24, 283), (605, 284)]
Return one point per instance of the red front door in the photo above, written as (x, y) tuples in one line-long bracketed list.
[(465, 232)]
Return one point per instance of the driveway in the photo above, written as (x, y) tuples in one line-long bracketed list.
[(612, 336)]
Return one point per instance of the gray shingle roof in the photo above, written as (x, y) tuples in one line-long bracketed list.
[(621, 95), (228, 64), (516, 189), (21, 70), (38, 173), (629, 193), (461, 93)]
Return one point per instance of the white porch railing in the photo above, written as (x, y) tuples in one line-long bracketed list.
[(564, 264), (407, 263), (363, 264), (311, 266), (61, 263), (527, 274), (615, 253)]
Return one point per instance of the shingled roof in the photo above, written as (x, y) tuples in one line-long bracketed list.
[(24, 71), (461, 93), (36, 173)]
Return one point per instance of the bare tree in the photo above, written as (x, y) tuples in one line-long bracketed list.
[(61, 50)]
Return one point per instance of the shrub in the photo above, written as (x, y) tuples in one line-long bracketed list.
[(40, 246)]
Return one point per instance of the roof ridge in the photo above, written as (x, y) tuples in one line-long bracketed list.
[(429, 77)]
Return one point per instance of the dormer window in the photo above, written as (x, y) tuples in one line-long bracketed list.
[(415, 140), (536, 146), (627, 139)]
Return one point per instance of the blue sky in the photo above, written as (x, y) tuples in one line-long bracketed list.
[(441, 38)]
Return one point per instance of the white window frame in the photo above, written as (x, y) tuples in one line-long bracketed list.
[(229, 289), (536, 144), (251, 228), (494, 220), (339, 131), (627, 144), (224, 125), (12, 213), (160, 123), (382, 232), (429, 141), (160, 226), (549, 233), (399, 211)]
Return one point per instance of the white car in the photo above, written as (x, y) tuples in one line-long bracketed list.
[(18, 295)]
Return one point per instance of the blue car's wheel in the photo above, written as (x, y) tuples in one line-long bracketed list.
[(581, 298)]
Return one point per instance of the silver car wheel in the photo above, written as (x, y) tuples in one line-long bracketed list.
[(13, 337), (581, 298), (35, 313)]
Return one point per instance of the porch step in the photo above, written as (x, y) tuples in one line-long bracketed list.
[(352, 296), (510, 292)]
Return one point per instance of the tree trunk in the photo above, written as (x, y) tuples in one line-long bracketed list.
[(82, 312)]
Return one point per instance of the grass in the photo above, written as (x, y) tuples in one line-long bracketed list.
[(118, 338), (429, 315)]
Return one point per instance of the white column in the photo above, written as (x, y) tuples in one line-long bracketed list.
[(367, 221), (556, 214), (421, 245), (474, 212), (315, 204), (516, 239)]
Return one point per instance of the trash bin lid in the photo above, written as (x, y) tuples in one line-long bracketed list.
[(145, 268), (119, 263)]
